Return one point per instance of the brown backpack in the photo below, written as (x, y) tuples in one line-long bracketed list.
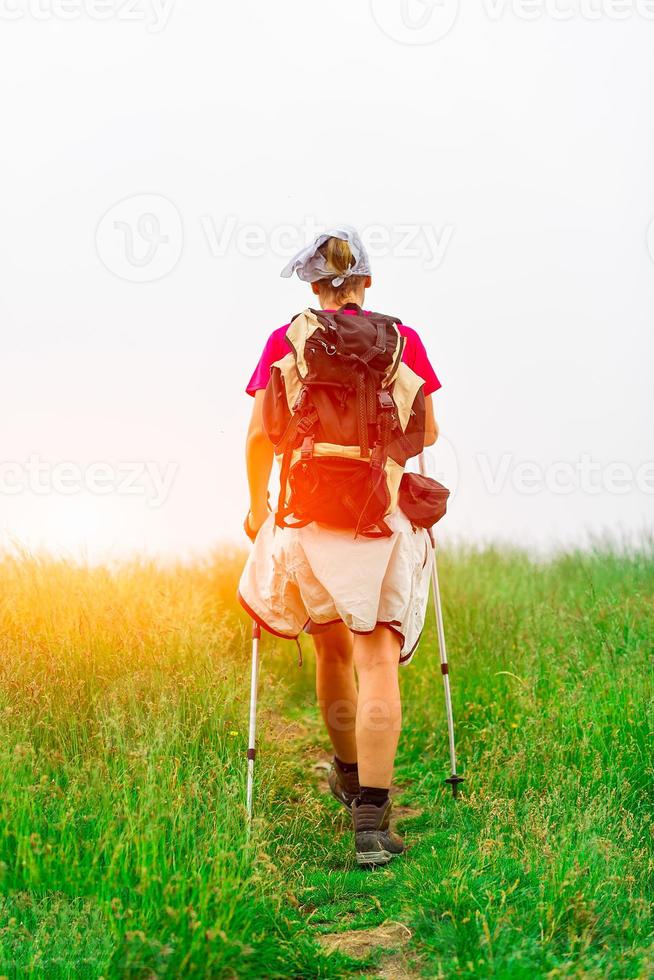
[(344, 414)]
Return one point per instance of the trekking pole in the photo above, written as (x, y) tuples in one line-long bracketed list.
[(453, 779), (252, 751)]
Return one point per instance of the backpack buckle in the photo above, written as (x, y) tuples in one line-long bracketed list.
[(299, 402), (386, 403), (306, 423), (306, 451)]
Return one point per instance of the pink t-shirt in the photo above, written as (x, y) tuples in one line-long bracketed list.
[(415, 356)]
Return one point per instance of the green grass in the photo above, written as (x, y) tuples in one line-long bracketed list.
[(123, 723)]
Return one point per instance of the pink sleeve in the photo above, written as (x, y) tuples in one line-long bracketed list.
[(275, 349), (415, 356)]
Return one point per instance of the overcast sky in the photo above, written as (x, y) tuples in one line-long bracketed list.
[(161, 162)]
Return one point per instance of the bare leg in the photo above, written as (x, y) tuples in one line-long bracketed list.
[(336, 689), (379, 714)]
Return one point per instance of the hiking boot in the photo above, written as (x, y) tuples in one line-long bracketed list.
[(374, 841), (344, 785)]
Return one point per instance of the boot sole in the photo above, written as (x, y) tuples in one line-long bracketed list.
[(371, 859)]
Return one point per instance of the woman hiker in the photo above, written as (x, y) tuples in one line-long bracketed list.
[(361, 598)]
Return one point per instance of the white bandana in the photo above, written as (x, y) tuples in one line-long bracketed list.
[(310, 265)]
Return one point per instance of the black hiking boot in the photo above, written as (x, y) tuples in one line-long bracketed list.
[(374, 841), (344, 785)]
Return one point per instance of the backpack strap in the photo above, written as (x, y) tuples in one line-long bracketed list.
[(362, 414), (301, 423), (379, 347), (282, 510), (378, 462)]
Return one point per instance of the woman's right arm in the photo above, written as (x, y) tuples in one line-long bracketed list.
[(431, 425), (258, 458)]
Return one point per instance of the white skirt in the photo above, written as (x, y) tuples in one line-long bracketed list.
[(304, 578)]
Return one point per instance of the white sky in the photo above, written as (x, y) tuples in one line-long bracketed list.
[(512, 159)]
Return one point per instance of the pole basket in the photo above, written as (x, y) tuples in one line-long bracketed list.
[(454, 781)]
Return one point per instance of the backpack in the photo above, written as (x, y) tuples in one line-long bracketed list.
[(344, 414)]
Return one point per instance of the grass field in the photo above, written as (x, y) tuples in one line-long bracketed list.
[(123, 706)]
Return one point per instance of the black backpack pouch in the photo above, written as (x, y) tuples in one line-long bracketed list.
[(423, 500), (340, 493)]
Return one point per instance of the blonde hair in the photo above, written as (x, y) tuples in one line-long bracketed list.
[(339, 259)]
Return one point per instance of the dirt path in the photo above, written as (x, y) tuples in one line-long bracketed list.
[(390, 936), (360, 943)]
